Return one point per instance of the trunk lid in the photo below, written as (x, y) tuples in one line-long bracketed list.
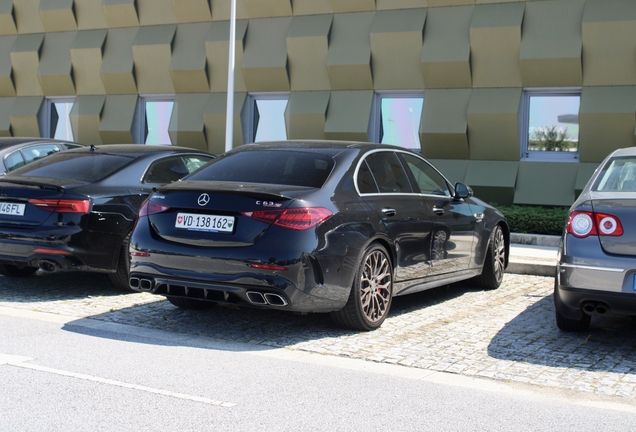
[(625, 210)]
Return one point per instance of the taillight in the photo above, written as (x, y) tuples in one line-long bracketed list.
[(582, 224), (296, 218), (62, 206), (151, 207)]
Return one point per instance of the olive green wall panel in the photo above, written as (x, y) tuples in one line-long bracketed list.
[(189, 11), (348, 115), (306, 114), (453, 170), (24, 116), (546, 183), (444, 127), (156, 12), (349, 56), (446, 51), (152, 52), (396, 39), (120, 13), (493, 181), (399, 4), (188, 66), (493, 124), (340, 6), (609, 45), (86, 56), (495, 40), (25, 60), (268, 8), (551, 44), (56, 69), (7, 88), (118, 64), (442, 3), (7, 20), (221, 10), (6, 107), (217, 48), (186, 123), (583, 175), (265, 55), (607, 119), (307, 48), (214, 119), (27, 16), (86, 116), (311, 7), (58, 15), (117, 119), (89, 15)]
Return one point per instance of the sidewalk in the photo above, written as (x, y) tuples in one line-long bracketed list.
[(533, 254)]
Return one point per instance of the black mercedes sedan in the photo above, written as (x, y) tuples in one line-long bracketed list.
[(74, 210), (314, 227)]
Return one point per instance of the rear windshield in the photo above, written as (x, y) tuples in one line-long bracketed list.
[(286, 167), (82, 167), (618, 175)]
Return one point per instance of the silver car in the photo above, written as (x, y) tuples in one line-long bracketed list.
[(17, 151), (597, 256)]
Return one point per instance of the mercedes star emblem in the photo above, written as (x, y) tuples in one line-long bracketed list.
[(204, 199)]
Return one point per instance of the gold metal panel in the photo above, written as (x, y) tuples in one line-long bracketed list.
[(495, 41), (493, 181), (444, 124), (221, 10), (442, 3), (86, 118), (306, 114), (340, 6), (27, 16), (454, 170), (156, 12), (86, 56), (396, 39), (265, 55), (56, 69), (6, 107), (188, 66), (190, 11), (546, 183), (551, 44), (607, 120), (307, 47), (120, 13), (24, 116), (217, 53), (349, 55), (311, 7), (446, 50), (493, 124), (186, 123), (268, 8), (117, 64), (348, 115), (58, 15), (400, 4), (214, 119), (7, 88), (117, 119), (25, 60), (7, 19), (609, 44), (152, 52), (89, 15)]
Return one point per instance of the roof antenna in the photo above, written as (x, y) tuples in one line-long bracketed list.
[(93, 147)]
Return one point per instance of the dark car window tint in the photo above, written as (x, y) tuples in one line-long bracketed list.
[(388, 172), (277, 167), (618, 175), (427, 178), (365, 181), (14, 160), (171, 169), (75, 166)]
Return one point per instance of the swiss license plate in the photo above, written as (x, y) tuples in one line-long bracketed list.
[(200, 222), (12, 209)]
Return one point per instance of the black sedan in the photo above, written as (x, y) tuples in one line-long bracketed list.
[(74, 210), (16, 152), (314, 227)]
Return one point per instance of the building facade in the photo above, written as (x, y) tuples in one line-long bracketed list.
[(519, 99)]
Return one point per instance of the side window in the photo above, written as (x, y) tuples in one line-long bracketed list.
[(365, 181), (388, 172), (428, 179), (14, 160), (39, 151), (166, 170)]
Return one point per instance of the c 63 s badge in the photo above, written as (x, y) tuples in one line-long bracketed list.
[(268, 204)]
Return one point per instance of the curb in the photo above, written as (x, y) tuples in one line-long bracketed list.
[(535, 239), (530, 265)]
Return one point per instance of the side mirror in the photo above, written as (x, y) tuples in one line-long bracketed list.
[(462, 191)]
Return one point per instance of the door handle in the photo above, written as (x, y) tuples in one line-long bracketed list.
[(388, 212), (438, 211)]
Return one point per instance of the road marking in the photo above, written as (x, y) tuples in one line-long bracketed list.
[(19, 361)]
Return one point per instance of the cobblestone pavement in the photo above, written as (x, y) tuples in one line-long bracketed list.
[(508, 334)]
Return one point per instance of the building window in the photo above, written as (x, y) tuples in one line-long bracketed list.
[(55, 118), (153, 119), (550, 124), (397, 119), (265, 117)]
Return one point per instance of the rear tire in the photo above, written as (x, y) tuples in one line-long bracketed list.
[(495, 263), (191, 304), (9, 270), (573, 325), (121, 277), (371, 294)]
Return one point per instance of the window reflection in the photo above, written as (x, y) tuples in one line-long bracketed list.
[(553, 123), (400, 121), (269, 120), (157, 121), (61, 120)]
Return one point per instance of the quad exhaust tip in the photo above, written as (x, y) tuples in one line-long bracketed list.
[(266, 299), (141, 284)]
